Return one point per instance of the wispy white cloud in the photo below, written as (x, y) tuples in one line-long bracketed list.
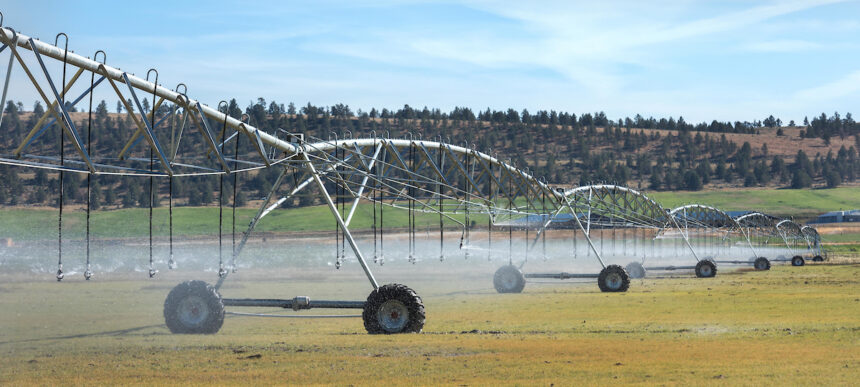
[(662, 57), (585, 43), (848, 85), (791, 46)]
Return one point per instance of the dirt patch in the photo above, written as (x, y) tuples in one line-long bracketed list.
[(837, 228)]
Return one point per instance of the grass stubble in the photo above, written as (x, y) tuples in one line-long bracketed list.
[(786, 326)]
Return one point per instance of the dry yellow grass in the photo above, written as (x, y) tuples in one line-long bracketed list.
[(788, 326)]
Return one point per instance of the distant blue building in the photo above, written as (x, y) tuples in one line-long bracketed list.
[(838, 217)]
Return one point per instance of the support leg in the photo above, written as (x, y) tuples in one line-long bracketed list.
[(336, 214), (581, 227)]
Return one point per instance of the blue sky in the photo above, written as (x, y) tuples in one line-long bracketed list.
[(725, 60)]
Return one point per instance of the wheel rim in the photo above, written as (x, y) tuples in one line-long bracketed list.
[(706, 270), (509, 280), (393, 316), (613, 281), (192, 311)]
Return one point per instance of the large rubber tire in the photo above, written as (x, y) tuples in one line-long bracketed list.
[(797, 261), (613, 279), (817, 258), (635, 270), (509, 279), (194, 307), (706, 269), (393, 308), (761, 263)]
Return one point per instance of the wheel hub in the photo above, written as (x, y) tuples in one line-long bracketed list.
[(509, 280), (613, 280), (393, 316), (192, 311)]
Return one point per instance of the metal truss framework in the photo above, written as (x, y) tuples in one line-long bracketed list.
[(813, 240), (791, 234), (759, 225), (707, 220), (612, 206), (422, 176), (180, 136), (162, 130), (764, 227), (426, 177), (430, 177)]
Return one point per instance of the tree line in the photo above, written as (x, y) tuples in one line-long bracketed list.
[(563, 147)]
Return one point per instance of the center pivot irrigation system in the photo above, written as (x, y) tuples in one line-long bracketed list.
[(461, 186)]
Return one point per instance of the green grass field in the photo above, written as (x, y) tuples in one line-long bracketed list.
[(798, 203), (786, 326), (189, 221)]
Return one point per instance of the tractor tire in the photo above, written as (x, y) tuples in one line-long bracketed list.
[(635, 270), (706, 269), (613, 279), (194, 307), (797, 261), (761, 263), (817, 258), (393, 308), (509, 279)]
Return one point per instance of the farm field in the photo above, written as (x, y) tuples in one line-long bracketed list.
[(798, 203), (25, 223), (788, 325)]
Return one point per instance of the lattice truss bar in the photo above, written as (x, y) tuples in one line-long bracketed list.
[(792, 234), (186, 137), (183, 136), (759, 225), (813, 239), (704, 217), (707, 221), (609, 206), (432, 177)]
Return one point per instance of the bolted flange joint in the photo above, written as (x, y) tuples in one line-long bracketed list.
[(301, 302)]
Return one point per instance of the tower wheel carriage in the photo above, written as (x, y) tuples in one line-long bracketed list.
[(706, 269), (613, 278), (509, 279), (393, 308), (635, 270), (761, 263), (194, 307)]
